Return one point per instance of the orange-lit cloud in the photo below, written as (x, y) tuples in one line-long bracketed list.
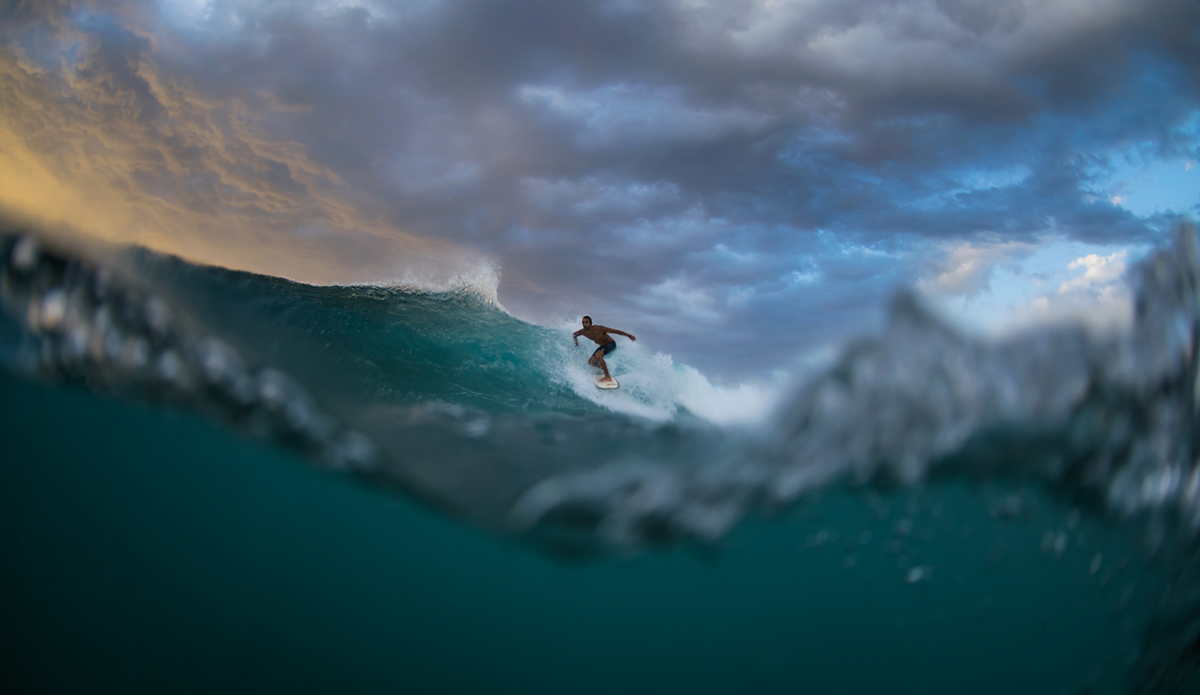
[(128, 155)]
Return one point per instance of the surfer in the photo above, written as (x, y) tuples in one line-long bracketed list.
[(600, 336)]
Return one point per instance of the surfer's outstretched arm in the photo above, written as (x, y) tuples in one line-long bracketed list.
[(618, 331)]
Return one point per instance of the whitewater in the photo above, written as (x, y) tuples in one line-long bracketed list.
[(1055, 443)]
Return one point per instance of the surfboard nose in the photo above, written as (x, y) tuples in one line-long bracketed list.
[(605, 382)]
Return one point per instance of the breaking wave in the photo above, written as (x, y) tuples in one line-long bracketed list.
[(449, 399)]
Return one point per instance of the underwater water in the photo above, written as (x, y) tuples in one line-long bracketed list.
[(211, 480)]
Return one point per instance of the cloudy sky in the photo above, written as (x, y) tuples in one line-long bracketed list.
[(739, 182)]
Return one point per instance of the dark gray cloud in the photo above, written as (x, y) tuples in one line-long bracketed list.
[(736, 182)]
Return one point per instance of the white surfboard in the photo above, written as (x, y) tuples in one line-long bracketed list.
[(603, 383)]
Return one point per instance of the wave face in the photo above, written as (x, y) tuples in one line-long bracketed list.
[(452, 401), (429, 390)]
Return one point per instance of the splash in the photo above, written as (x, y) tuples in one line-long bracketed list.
[(1111, 417)]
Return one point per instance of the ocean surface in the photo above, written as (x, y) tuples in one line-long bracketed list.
[(213, 481)]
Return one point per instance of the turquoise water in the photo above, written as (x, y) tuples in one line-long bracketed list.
[(212, 481), (149, 551)]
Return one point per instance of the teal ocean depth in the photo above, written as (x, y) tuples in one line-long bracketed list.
[(146, 550)]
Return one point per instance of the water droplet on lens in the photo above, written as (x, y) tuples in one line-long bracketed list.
[(920, 573), (24, 254), (53, 310)]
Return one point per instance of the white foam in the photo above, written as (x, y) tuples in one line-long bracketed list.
[(655, 387), (744, 404)]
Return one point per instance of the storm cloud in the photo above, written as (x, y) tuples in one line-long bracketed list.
[(734, 182)]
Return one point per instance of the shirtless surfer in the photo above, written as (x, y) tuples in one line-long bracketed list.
[(600, 336)]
